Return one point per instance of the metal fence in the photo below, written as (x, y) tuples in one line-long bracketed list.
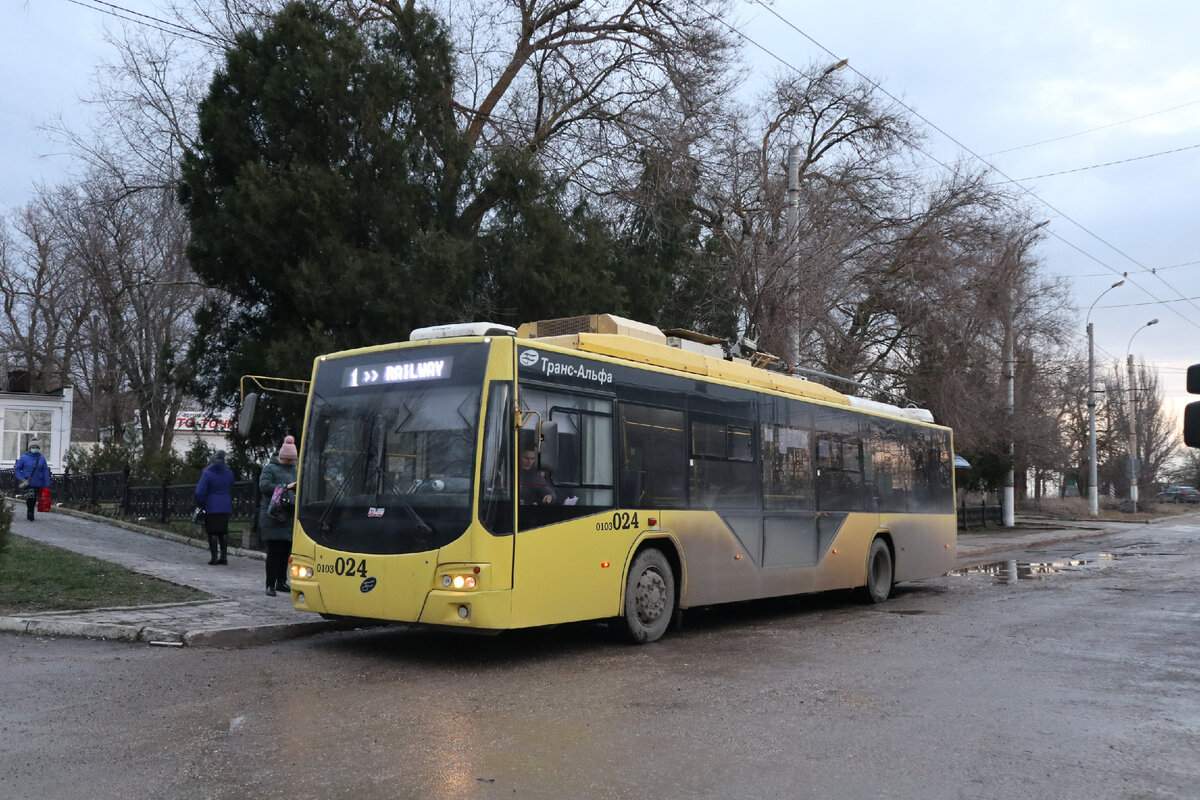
[(163, 502), (174, 503), (978, 516)]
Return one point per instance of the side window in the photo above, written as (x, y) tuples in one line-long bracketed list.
[(839, 472), (892, 466), (568, 472), (652, 457), (722, 464), (931, 463), (787, 467)]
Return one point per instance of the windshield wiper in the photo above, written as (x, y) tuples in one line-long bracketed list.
[(334, 502), (381, 476)]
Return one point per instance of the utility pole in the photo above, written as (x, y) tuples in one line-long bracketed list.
[(1010, 260), (791, 349), (1093, 489), (1010, 488), (791, 353), (1133, 450), (1134, 465)]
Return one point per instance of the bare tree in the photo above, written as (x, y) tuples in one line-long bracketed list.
[(129, 250), (44, 306), (1157, 438)]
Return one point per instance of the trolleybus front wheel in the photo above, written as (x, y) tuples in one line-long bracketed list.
[(880, 571), (649, 596)]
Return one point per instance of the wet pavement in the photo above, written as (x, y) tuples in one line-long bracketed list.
[(240, 613)]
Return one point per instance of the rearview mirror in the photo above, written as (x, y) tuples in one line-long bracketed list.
[(1191, 424), (246, 415), (548, 455)]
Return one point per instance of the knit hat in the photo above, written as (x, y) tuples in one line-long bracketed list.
[(288, 450), (217, 456), (33, 445)]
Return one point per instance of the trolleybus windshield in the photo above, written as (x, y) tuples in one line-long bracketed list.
[(390, 449)]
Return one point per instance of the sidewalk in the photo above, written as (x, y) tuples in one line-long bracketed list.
[(241, 614), (975, 548)]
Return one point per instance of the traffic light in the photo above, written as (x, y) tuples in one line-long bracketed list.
[(1191, 412)]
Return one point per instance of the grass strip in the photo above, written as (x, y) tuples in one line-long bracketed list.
[(38, 577)]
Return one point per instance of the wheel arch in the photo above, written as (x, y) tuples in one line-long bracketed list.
[(670, 550), (884, 533)]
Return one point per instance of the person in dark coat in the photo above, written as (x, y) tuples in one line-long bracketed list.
[(214, 493), (536, 487), (280, 471), (32, 474)]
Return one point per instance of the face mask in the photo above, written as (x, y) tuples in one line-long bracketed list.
[(35, 449)]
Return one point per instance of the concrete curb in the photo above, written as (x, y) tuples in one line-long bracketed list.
[(262, 634), (70, 628), (150, 634)]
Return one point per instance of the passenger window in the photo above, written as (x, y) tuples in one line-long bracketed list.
[(652, 457), (722, 465)]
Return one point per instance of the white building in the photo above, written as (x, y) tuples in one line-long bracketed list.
[(46, 416)]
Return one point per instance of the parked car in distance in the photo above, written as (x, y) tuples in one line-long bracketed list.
[(1179, 494)]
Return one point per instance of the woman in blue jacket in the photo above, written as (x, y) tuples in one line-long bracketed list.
[(214, 493), (32, 473)]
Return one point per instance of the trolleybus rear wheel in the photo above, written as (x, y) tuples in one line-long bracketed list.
[(649, 596), (880, 571)]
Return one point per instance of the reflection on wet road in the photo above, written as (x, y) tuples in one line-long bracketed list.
[(1008, 571)]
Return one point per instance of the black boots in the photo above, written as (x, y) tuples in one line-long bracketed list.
[(270, 590), (215, 540)]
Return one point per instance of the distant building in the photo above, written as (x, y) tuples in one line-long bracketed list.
[(212, 429), (44, 415)]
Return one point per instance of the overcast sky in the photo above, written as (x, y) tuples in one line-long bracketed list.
[(1106, 92)]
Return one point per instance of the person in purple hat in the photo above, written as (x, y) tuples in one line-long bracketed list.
[(274, 525)]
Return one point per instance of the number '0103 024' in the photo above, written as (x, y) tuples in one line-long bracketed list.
[(345, 566), (621, 521)]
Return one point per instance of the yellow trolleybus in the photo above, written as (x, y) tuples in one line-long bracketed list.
[(484, 478)]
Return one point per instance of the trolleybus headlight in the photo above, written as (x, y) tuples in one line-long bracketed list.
[(459, 581), (301, 571)]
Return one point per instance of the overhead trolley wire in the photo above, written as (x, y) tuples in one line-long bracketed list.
[(989, 164)]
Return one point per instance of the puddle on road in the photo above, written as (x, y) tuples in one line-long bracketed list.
[(1011, 571)]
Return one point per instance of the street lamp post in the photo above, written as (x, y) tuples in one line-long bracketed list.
[(1134, 467), (1093, 491)]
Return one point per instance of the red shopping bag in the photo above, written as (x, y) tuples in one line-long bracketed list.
[(44, 499)]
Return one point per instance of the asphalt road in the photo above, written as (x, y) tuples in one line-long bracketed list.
[(1069, 674)]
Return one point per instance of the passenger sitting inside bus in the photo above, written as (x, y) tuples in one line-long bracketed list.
[(536, 487)]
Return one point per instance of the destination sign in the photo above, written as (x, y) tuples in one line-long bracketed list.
[(396, 372)]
